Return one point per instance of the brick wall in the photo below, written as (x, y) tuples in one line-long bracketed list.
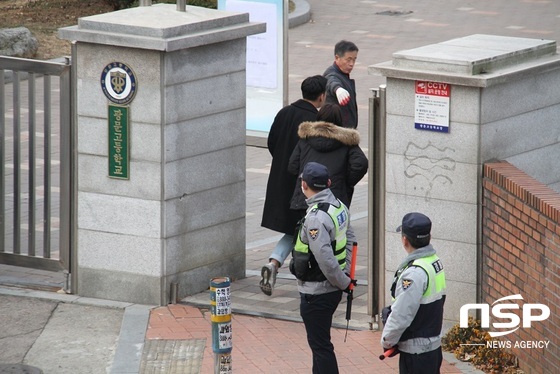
[(521, 255)]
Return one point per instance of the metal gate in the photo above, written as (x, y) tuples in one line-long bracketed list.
[(36, 157)]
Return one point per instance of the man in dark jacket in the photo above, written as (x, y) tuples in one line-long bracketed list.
[(282, 139), (341, 89)]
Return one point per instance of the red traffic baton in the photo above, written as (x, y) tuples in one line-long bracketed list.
[(351, 287), (387, 353)]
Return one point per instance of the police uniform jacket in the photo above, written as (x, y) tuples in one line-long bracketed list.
[(318, 231), (411, 285)]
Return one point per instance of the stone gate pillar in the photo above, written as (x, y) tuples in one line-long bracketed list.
[(160, 150), (451, 107)]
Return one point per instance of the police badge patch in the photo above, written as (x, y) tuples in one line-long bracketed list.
[(313, 233), (406, 283)]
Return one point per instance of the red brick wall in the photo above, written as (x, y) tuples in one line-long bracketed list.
[(521, 255)]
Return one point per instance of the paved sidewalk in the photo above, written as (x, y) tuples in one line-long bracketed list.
[(265, 345), (68, 334)]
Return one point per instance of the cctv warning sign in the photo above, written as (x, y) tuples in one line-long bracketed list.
[(431, 106)]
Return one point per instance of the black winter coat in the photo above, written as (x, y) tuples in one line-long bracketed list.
[(282, 140), (335, 147)]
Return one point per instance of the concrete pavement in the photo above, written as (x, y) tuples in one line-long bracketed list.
[(53, 333), (48, 332)]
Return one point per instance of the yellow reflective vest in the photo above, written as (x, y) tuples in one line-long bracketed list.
[(429, 318), (305, 265)]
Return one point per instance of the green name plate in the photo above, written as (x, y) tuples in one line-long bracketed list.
[(119, 160)]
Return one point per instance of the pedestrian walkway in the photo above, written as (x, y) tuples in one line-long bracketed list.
[(68, 334), (266, 345)]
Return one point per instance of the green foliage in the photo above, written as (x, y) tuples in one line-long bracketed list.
[(122, 4), (489, 360), (119, 4), (212, 4)]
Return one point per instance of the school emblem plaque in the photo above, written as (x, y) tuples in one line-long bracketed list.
[(118, 82)]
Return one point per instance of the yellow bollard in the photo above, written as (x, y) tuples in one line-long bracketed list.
[(220, 309)]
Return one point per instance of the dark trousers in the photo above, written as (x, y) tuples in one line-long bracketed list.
[(425, 363), (317, 314)]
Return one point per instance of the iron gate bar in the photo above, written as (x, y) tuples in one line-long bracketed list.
[(2, 159), (66, 163), (31, 171), (17, 164), (73, 119), (36, 66), (47, 168)]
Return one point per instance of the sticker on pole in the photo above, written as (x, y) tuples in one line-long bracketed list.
[(224, 336), (431, 106), (225, 364), (223, 301)]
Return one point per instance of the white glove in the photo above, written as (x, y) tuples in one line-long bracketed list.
[(343, 96)]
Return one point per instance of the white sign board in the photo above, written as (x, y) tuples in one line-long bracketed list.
[(266, 66), (261, 48), (431, 106)]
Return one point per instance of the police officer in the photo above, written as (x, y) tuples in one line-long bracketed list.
[(321, 256), (415, 320)]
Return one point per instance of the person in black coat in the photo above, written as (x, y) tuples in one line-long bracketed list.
[(282, 139), (325, 141)]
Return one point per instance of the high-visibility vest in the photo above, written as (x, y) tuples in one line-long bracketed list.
[(429, 318), (301, 253)]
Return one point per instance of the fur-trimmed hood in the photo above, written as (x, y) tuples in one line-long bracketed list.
[(329, 132), (335, 147)]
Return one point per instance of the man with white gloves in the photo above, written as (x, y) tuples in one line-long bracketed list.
[(341, 89)]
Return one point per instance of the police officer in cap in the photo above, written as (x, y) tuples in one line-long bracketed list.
[(321, 259), (415, 318)]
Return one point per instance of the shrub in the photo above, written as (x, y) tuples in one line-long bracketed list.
[(119, 4), (489, 360), (122, 4), (213, 4)]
